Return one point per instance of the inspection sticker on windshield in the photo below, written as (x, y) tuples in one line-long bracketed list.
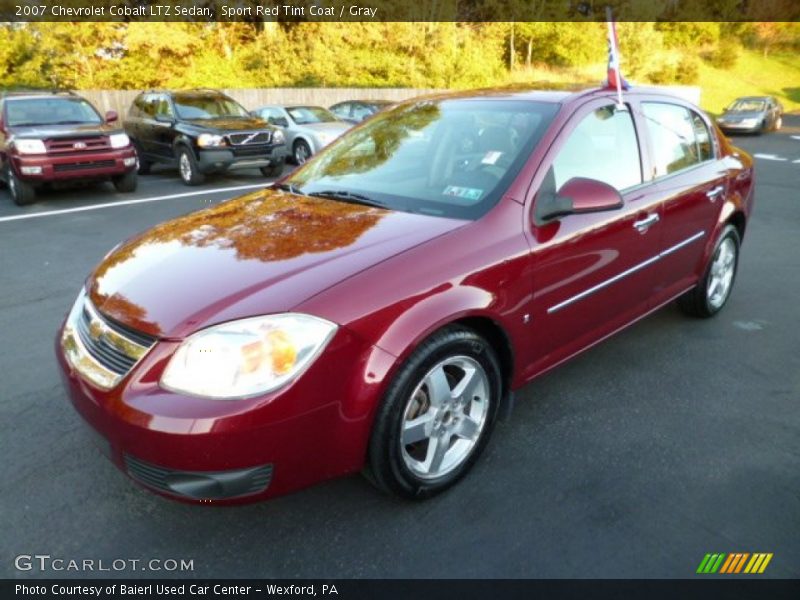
[(463, 192), (491, 157)]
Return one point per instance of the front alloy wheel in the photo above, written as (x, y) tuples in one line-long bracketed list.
[(187, 166), (22, 192), (444, 417), (437, 415), (302, 152)]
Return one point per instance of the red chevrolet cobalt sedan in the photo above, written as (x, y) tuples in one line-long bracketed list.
[(375, 309)]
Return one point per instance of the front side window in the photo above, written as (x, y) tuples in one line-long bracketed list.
[(51, 111), (451, 157), (676, 141), (603, 147), (205, 106)]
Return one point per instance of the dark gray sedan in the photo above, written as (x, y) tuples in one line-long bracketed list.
[(752, 114)]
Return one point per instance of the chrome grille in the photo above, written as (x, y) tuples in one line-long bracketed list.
[(100, 349), (250, 137)]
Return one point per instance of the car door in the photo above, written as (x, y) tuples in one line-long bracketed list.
[(163, 127), (690, 182), (592, 273)]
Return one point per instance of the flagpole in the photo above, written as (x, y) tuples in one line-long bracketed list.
[(612, 36)]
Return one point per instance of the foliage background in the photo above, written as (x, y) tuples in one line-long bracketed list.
[(725, 59)]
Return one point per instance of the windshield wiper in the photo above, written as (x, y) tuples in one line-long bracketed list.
[(288, 187), (348, 197)]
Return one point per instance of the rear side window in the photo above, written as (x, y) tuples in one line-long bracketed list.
[(679, 137), (602, 147)]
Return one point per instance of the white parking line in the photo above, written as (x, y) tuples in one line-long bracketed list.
[(64, 211), (769, 157), (795, 137)]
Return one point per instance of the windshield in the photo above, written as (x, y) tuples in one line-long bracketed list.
[(747, 106), (51, 111), (195, 106), (304, 115), (450, 158)]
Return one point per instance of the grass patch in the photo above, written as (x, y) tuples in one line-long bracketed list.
[(753, 75)]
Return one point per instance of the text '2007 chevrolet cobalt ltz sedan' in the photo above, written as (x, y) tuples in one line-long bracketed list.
[(375, 309)]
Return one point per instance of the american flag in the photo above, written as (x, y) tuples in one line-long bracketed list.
[(615, 79)]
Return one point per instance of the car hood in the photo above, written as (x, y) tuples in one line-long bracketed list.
[(259, 254), (335, 127), (225, 125), (62, 131)]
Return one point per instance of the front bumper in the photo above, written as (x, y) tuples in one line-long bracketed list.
[(738, 127), (223, 452), (47, 168), (223, 159)]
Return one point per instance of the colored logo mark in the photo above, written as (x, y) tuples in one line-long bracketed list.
[(737, 562)]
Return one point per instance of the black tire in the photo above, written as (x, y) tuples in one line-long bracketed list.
[(143, 165), (188, 168), (696, 302), (22, 192), (301, 152), (126, 183), (273, 170), (386, 467)]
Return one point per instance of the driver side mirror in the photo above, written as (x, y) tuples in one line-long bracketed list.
[(112, 116), (577, 196)]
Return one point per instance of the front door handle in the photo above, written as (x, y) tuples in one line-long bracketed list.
[(644, 224), (713, 193)]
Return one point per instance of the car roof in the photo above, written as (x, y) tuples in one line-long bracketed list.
[(33, 95)]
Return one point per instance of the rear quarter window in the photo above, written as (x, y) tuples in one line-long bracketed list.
[(679, 137)]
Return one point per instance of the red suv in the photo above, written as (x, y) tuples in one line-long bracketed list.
[(57, 137), (377, 307)]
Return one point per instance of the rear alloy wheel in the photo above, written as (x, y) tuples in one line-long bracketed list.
[(127, 182), (187, 167), (301, 152), (437, 415), (713, 291), (22, 192)]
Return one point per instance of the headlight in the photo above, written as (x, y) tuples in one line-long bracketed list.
[(30, 146), (209, 140), (119, 140), (278, 137), (749, 122), (247, 357)]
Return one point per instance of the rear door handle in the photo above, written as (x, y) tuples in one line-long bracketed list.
[(644, 224), (713, 193)]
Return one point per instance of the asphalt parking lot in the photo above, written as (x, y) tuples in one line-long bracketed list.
[(674, 439)]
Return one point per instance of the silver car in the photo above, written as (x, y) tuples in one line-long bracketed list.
[(308, 129)]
